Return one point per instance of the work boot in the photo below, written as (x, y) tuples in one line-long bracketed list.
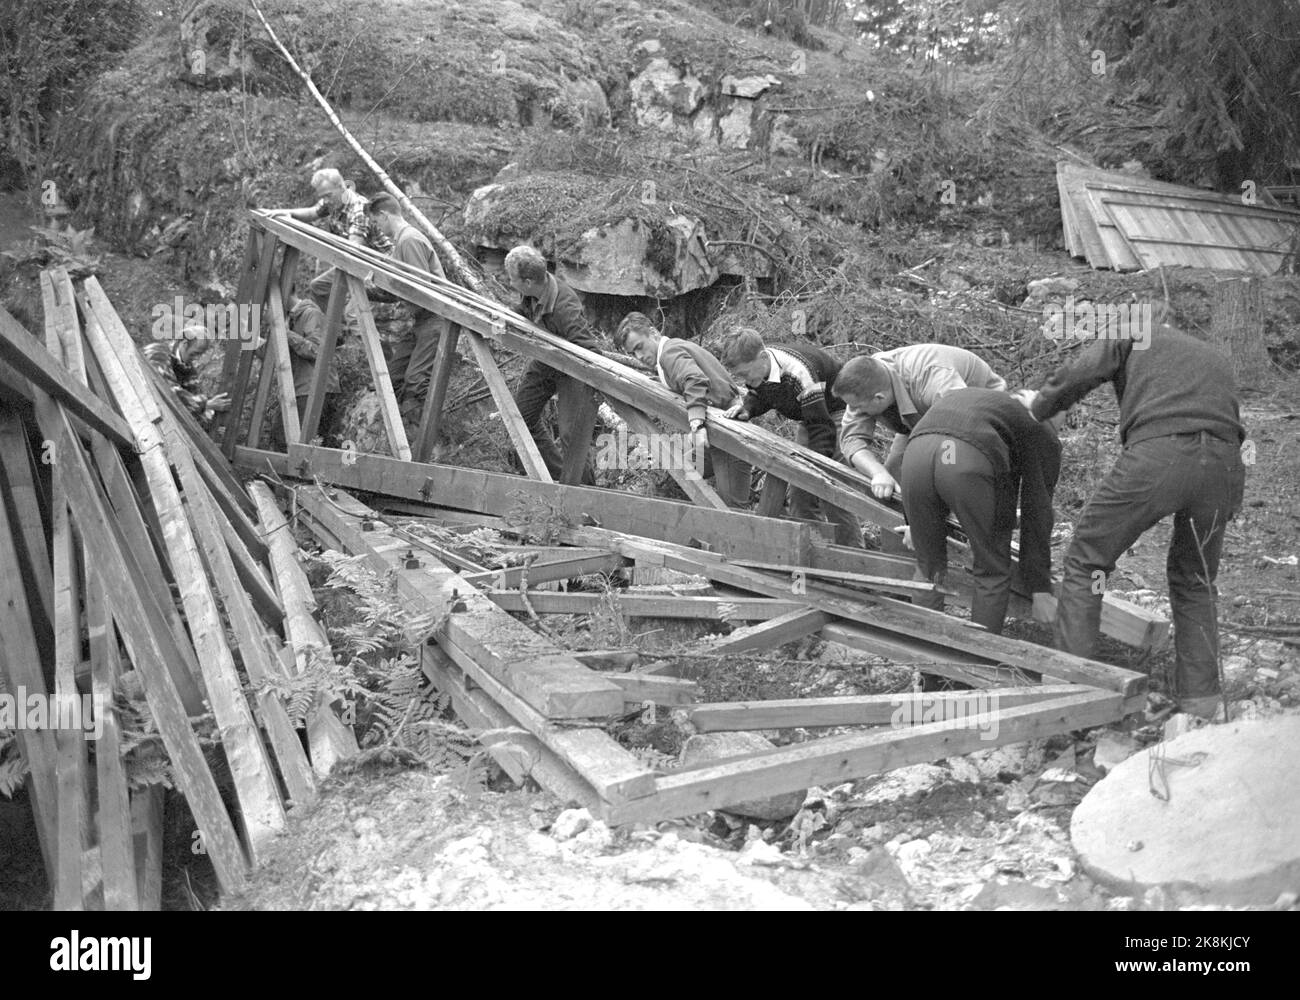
[(1209, 706)]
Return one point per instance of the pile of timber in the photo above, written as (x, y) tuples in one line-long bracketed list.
[(545, 712), (134, 560)]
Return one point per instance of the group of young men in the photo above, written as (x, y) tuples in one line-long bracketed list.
[(963, 444)]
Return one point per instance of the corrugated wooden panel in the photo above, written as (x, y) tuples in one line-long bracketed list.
[(1181, 233)]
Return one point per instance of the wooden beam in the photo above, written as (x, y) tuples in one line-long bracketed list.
[(582, 563), (640, 689), (692, 484), (33, 562), (370, 342), (324, 358), (771, 634), (328, 739), (256, 297), (283, 369), (494, 493), (901, 709), (431, 417), (234, 349), (633, 605), (832, 760), (147, 834), (27, 357), (508, 410), (113, 818), (889, 584)]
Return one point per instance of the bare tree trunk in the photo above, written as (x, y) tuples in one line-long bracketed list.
[(1237, 327), (451, 258)]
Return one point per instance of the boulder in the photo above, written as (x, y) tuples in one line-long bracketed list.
[(662, 93), (706, 747)]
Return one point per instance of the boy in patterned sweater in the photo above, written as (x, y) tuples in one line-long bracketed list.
[(794, 380)]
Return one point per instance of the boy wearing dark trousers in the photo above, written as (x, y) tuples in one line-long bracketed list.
[(974, 453), (1181, 430), (555, 307)]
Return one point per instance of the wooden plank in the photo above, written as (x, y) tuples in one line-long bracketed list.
[(260, 807), (641, 689), (26, 356), (495, 493), (328, 739), (239, 389), (106, 558), (903, 708), (520, 754), (836, 759), (545, 677), (113, 818), (243, 293), (283, 368), (929, 658), (771, 502), (370, 342), (771, 634), (891, 585), (583, 563), (431, 417), (147, 834), (70, 747), (520, 437), (634, 605), (324, 358)]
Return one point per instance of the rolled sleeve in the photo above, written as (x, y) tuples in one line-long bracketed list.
[(857, 432)]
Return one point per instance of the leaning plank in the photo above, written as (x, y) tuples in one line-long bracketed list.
[(262, 667), (146, 830), (260, 807), (283, 370), (244, 366), (70, 769), (328, 739), (836, 759), (927, 657), (431, 416), (520, 436), (496, 493), (324, 357), (770, 634), (19, 484), (106, 559), (20, 668), (379, 372), (25, 354), (113, 818), (891, 585), (904, 708)]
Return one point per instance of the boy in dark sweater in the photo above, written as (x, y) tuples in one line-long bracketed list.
[(555, 307), (973, 453), (1181, 429), (794, 380)]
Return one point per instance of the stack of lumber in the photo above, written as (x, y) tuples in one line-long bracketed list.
[(544, 710), (1128, 223), (135, 561)]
